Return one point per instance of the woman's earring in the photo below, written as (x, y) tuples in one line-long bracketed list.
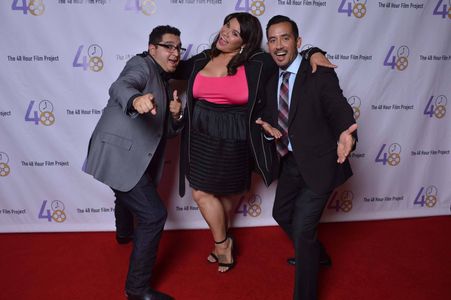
[(241, 50)]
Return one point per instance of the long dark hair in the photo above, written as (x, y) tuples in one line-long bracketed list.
[(251, 34)]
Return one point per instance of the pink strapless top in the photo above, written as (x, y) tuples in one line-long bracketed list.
[(222, 90)]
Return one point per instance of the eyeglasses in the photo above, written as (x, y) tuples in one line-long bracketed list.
[(172, 48)]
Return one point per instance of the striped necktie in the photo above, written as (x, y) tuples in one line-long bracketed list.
[(282, 145)]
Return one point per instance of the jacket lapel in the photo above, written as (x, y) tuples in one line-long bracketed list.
[(199, 64), (253, 72), (160, 98), (271, 90), (297, 90)]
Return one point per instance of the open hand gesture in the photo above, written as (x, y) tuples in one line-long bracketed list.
[(271, 131), (345, 143)]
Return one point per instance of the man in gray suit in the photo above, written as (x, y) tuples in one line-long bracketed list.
[(127, 146)]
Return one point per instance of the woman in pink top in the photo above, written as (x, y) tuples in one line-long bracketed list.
[(222, 143)]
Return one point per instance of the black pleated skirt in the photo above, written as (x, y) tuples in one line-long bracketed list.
[(219, 153)]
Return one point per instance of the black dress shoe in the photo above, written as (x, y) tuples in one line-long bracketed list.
[(325, 261), (149, 295), (124, 239)]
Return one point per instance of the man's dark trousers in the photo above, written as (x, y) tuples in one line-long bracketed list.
[(298, 210), (150, 213)]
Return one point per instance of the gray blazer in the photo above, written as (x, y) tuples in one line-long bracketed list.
[(122, 144)]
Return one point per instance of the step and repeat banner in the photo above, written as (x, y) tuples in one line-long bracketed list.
[(59, 57)]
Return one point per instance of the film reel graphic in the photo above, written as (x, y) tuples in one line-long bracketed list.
[(394, 159), (148, 7), (431, 196), (257, 7), (4, 167), (46, 117), (431, 201), (359, 9), (346, 201), (59, 216), (96, 64), (402, 63), (254, 209), (440, 111), (440, 106), (394, 154), (36, 7)]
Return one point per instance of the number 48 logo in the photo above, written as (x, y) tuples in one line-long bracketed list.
[(251, 207), (255, 7), (45, 117), (428, 199), (56, 213), (147, 7), (357, 8), (343, 203), (95, 63), (438, 108), (393, 157), (400, 61), (35, 7)]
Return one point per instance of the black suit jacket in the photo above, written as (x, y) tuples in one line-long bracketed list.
[(318, 114)]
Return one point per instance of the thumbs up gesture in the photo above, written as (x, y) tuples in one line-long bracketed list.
[(175, 106)]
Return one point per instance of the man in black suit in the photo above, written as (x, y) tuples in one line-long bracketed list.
[(317, 133)]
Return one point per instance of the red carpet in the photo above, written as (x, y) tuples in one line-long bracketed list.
[(396, 259)]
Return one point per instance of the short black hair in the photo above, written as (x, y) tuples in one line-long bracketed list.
[(157, 33), (281, 19)]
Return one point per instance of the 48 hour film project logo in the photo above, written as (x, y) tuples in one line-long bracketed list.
[(436, 107), (390, 155), (95, 54), (442, 9), (400, 60), (427, 196), (45, 115), (250, 206), (356, 8), (4, 167), (254, 7), (341, 203), (34, 7), (147, 7), (55, 212)]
